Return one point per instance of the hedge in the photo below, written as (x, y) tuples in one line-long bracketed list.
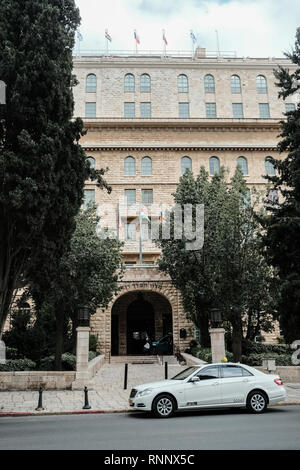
[(17, 365)]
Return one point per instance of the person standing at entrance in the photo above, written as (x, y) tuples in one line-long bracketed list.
[(146, 348)]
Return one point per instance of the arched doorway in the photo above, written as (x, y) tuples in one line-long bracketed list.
[(140, 324), (136, 315)]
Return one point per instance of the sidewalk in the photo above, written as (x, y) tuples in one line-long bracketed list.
[(108, 394)]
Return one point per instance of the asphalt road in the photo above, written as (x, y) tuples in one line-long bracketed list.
[(277, 429)]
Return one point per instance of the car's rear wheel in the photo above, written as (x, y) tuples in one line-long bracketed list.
[(163, 406), (257, 402)]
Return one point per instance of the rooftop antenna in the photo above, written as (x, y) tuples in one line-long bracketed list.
[(218, 45)]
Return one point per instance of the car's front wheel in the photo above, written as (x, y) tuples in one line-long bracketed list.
[(163, 406), (257, 402)]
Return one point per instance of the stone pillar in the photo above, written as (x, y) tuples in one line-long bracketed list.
[(217, 339), (82, 358)]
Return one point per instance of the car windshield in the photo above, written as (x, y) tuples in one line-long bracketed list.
[(185, 373)]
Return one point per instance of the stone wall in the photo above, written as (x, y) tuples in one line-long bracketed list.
[(32, 380)]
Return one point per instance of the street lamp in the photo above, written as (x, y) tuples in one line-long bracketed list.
[(83, 315), (215, 318)]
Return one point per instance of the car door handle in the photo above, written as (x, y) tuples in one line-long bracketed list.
[(246, 380), (215, 383)]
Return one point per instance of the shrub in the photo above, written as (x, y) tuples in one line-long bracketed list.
[(17, 365), (251, 347), (205, 354), (256, 360), (94, 344)]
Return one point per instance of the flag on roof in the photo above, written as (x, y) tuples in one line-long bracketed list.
[(194, 39), (164, 38), (79, 36), (107, 36), (136, 37)]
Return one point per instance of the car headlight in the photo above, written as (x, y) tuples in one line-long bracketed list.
[(142, 393)]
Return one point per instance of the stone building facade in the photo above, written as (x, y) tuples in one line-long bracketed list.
[(148, 118)]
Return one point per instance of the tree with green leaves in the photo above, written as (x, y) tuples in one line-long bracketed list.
[(229, 272), (283, 223), (42, 166), (87, 274)]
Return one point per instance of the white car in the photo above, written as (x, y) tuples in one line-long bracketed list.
[(209, 386)]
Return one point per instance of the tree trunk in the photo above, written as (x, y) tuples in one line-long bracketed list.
[(59, 340), (237, 336), (204, 333)]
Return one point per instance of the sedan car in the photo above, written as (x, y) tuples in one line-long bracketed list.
[(209, 386)]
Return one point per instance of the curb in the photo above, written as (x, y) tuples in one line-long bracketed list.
[(49, 413), (86, 412)]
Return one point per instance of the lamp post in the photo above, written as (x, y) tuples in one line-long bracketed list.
[(217, 335), (215, 318), (83, 315)]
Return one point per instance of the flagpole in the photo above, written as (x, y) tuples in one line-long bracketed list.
[(141, 242), (106, 40), (135, 38), (218, 45), (193, 50), (163, 31)]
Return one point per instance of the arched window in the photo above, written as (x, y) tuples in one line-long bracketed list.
[(261, 84), (91, 83), (183, 84), (214, 165), (209, 84), (186, 164), (129, 166), (91, 160), (235, 84), (145, 84), (243, 164), (269, 167), (146, 166), (129, 82)]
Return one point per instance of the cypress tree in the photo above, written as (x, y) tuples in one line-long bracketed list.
[(283, 225), (42, 166)]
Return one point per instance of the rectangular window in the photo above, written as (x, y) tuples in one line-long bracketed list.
[(184, 110), (131, 231), (289, 107), (89, 197), (90, 110), (264, 110), (211, 110), (129, 110), (237, 110), (130, 196), (146, 110), (147, 196)]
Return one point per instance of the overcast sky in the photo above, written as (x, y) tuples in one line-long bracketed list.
[(252, 28)]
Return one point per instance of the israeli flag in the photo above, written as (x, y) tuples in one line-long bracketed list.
[(194, 39), (79, 36)]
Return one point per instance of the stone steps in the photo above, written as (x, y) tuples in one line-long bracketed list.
[(133, 360)]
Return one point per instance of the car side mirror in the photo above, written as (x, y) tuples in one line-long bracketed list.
[(195, 379)]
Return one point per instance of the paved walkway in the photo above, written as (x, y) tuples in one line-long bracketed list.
[(107, 394)]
